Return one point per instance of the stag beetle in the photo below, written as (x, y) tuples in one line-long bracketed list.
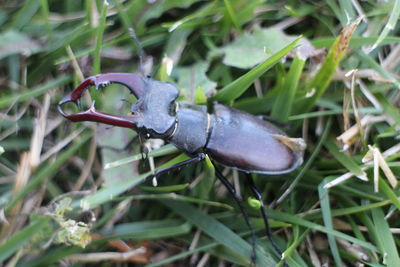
[(231, 137)]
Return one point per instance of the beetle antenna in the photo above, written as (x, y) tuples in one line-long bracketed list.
[(132, 33)]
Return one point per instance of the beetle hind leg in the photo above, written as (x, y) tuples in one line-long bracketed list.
[(258, 196), (232, 191), (200, 157)]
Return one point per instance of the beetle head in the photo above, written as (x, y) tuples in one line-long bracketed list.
[(153, 113), (155, 110)]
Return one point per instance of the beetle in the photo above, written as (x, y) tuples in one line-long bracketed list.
[(228, 136)]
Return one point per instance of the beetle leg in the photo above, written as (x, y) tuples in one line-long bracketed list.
[(237, 198), (258, 196), (199, 157)]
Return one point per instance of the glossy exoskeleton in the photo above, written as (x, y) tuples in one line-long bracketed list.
[(231, 137)]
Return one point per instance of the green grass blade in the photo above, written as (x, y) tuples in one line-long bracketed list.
[(369, 61), (240, 85), (309, 161), (174, 196), (323, 113), (162, 151), (292, 260), (99, 39), (25, 14), (283, 104), (388, 108), (348, 10), (390, 25), (385, 238), (108, 193), (49, 170), (327, 217), (338, 12), (285, 217), (232, 15), (45, 11), (389, 193), (183, 255), (218, 231), (345, 159), (21, 238), (167, 188), (360, 208), (149, 229), (38, 90), (54, 255), (126, 22)]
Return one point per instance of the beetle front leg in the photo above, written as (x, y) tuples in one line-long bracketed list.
[(199, 157)]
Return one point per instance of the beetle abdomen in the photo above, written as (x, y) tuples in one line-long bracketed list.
[(245, 142)]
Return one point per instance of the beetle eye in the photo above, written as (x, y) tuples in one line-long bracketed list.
[(173, 108)]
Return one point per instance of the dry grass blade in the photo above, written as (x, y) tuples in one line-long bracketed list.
[(61, 144), (88, 165), (318, 85), (380, 163), (21, 179), (39, 133), (347, 138), (107, 256)]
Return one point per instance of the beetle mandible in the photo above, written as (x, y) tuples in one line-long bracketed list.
[(231, 137)]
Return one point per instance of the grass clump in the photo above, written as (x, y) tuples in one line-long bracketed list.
[(327, 68)]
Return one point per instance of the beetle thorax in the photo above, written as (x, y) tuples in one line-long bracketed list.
[(191, 131)]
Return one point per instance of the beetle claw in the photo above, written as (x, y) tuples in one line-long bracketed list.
[(61, 111)]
